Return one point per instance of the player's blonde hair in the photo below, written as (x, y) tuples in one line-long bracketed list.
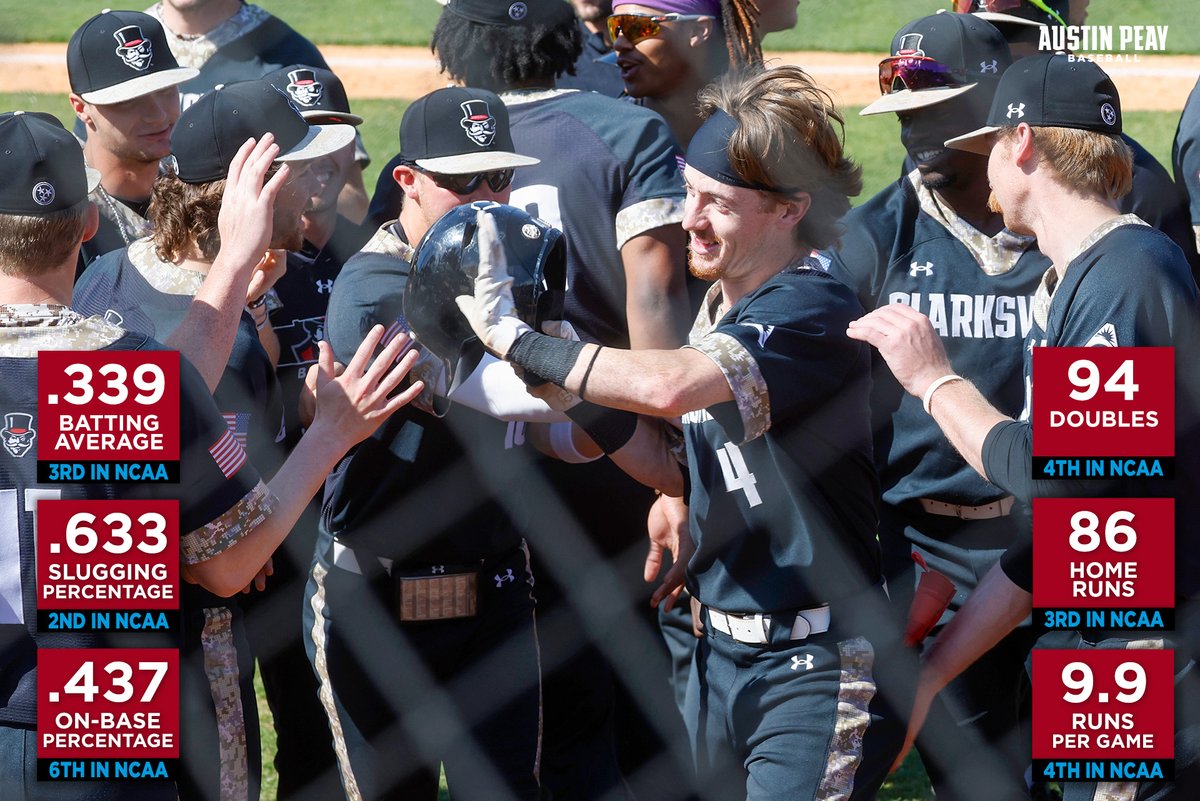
[(1087, 161), (32, 244), (789, 134)]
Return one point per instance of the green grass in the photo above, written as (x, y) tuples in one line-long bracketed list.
[(863, 25), (874, 142)]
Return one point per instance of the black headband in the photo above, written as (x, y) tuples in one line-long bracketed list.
[(708, 152)]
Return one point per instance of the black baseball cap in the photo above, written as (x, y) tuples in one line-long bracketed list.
[(503, 12), (211, 130), (457, 131), (318, 93), (42, 165), (971, 48), (1049, 90), (119, 55)]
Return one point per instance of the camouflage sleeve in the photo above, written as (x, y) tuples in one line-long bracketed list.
[(224, 532), (745, 379), (646, 216)]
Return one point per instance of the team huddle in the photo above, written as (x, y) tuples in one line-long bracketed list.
[(608, 308)]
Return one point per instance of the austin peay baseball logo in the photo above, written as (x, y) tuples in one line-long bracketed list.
[(304, 87), (18, 433), (478, 122), (134, 48)]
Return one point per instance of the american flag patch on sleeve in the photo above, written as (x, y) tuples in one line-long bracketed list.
[(239, 424), (228, 453)]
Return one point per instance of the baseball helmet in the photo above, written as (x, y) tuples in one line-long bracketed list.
[(446, 263)]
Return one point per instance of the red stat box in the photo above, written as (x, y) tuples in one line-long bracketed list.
[(1102, 401), (105, 703), (108, 554), (1104, 553), (108, 405), (1103, 704)]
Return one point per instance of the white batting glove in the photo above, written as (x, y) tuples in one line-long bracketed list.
[(490, 310)]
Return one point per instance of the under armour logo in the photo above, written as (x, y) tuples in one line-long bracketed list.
[(921, 269), (993, 67), (806, 661), (764, 332), (1016, 110), (508, 576), (324, 287), (436, 569)]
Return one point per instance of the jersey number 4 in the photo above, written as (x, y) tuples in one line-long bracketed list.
[(737, 476)]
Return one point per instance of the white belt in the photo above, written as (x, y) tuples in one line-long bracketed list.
[(754, 629), (1000, 508), (344, 558)]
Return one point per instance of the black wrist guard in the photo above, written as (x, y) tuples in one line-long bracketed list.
[(608, 428), (545, 356)]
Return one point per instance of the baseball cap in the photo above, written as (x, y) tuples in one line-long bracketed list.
[(1049, 90), (119, 55), (458, 131), (503, 12), (318, 93), (968, 50), (1034, 13), (211, 130), (42, 165)]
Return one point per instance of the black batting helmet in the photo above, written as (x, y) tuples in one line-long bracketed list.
[(445, 265)]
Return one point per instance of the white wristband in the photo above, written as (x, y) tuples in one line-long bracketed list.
[(946, 379), (563, 445)]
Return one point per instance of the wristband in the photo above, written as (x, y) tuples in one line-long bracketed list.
[(946, 379), (258, 302), (562, 444), (549, 357), (608, 428)]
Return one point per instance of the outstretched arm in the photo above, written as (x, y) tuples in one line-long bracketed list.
[(913, 351), (205, 335), (349, 408)]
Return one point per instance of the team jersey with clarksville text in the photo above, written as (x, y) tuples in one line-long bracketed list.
[(978, 296)]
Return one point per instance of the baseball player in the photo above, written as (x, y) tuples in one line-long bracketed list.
[(593, 71), (1185, 158), (230, 41), (123, 89), (929, 241), (420, 505), (294, 313), (1154, 197), (150, 287), (1115, 281), (619, 204), (668, 52), (231, 520), (774, 400)]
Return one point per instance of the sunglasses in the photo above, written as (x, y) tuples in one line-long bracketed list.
[(1000, 6), (638, 27), (468, 183), (916, 73)]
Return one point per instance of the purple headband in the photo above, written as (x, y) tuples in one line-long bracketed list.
[(710, 7)]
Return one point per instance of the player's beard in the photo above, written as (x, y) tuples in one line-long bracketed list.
[(705, 272), (993, 203)]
